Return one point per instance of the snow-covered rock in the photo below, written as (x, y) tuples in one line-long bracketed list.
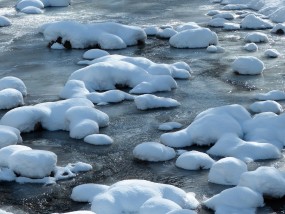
[(29, 3), (266, 106), (9, 136), (166, 33), (106, 35), (149, 101), (227, 171), (256, 37), (235, 200), (231, 26), (217, 22), (217, 121), (94, 54), (31, 10), (253, 22), (194, 160), (13, 82), (10, 98), (271, 95), (158, 205), (233, 146), (33, 163), (98, 139), (4, 22), (215, 49), (248, 65), (153, 151), (278, 29), (128, 196), (169, 126), (267, 181), (86, 192), (251, 47), (7, 151), (194, 38), (271, 53)]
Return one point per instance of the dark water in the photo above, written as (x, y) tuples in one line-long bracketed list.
[(23, 53)]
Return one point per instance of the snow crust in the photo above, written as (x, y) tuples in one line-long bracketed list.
[(248, 65), (149, 101)]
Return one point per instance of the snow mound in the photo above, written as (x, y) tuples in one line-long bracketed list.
[(166, 33), (128, 196), (158, 205), (7, 151), (268, 181), (235, 200), (278, 29), (194, 160), (106, 35), (217, 121), (151, 30), (75, 115), (256, 37), (253, 22), (86, 192), (278, 15), (271, 53), (248, 65), (57, 46), (6, 174), (231, 26), (153, 151), (224, 15), (266, 106), (94, 54), (98, 139), (33, 163), (217, 22), (194, 38), (10, 98), (187, 26), (4, 22), (31, 10), (9, 136), (13, 82), (233, 146), (149, 101), (227, 171), (235, 7), (213, 12), (169, 126), (29, 3), (251, 47), (215, 49), (271, 95)]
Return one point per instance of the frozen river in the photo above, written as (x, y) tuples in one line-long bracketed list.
[(24, 54)]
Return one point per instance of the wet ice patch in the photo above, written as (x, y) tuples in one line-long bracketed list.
[(98, 139), (253, 22), (169, 126), (56, 3), (149, 101), (4, 21), (256, 37), (227, 171), (194, 160), (266, 106), (248, 65), (153, 151), (106, 35), (271, 95)]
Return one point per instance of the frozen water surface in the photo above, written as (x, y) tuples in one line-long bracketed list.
[(24, 54)]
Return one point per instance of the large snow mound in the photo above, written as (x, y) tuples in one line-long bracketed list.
[(194, 160), (4, 21), (9, 136), (268, 181), (106, 35), (248, 65), (217, 121), (149, 101), (194, 38), (253, 22), (227, 171), (153, 151)]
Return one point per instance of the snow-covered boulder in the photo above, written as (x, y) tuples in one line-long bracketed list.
[(256, 37), (215, 49), (9, 136), (267, 181), (271, 95), (217, 22), (4, 22), (31, 10), (169, 126), (7, 151), (266, 106), (231, 26), (106, 35), (166, 33), (251, 47), (194, 160), (235, 200), (227, 171), (56, 3), (29, 3), (86, 192), (248, 65), (153, 151), (271, 53), (94, 54), (217, 121), (194, 38), (128, 196), (98, 139), (10, 98), (158, 205), (253, 22), (13, 82), (233, 146), (33, 163), (149, 101), (278, 29)]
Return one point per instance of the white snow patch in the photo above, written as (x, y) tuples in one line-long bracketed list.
[(271, 95), (98, 139), (225, 15), (6, 174), (26, 3), (166, 33), (151, 30), (56, 3), (149, 101), (31, 10), (10, 98), (94, 54), (231, 26), (271, 53), (251, 47), (13, 82), (169, 126), (217, 22), (7, 151), (57, 46), (86, 192), (278, 29), (9, 136), (253, 22), (158, 205), (248, 65), (266, 106), (256, 37)]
